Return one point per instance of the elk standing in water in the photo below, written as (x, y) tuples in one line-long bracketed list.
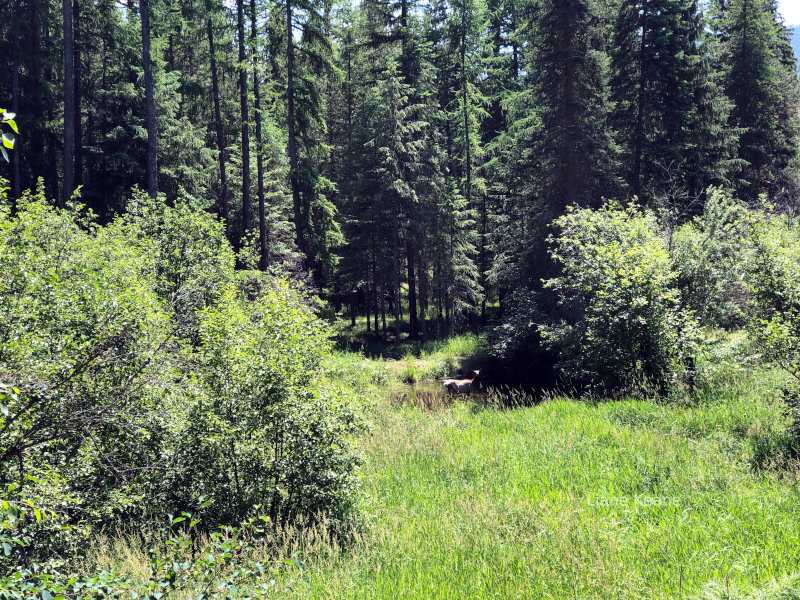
[(461, 386)]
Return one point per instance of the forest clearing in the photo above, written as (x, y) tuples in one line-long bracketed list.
[(471, 498), (399, 299)]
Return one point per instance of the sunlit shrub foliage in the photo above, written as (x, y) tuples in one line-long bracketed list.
[(710, 255), (774, 324), (621, 325), (138, 376)]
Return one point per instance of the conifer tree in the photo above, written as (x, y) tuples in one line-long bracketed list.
[(259, 117), (69, 103), (218, 128), (561, 150), (670, 111), (245, 118), (150, 103), (761, 80), (308, 60)]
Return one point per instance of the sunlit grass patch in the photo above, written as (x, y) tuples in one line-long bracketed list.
[(504, 503)]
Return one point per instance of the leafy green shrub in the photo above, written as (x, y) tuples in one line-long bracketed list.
[(774, 324), (83, 337), (710, 255), (228, 565), (140, 376), (621, 325), (192, 261), (265, 425)]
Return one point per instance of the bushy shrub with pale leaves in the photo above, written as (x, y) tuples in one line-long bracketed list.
[(621, 325)]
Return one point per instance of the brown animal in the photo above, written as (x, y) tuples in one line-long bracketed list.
[(460, 386)]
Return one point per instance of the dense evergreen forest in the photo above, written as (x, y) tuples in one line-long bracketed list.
[(399, 299), (388, 146)]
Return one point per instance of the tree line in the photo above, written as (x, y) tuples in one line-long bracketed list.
[(405, 158)]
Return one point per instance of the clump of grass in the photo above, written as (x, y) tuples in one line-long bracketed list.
[(357, 372), (788, 588), (437, 367), (280, 548), (468, 345), (409, 374), (127, 553)]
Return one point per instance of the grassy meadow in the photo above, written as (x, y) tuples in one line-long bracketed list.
[(469, 502), (474, 500)]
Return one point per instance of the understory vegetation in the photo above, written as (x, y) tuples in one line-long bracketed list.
[(173, 425), (399, 299), (475, 500), (142, 376)]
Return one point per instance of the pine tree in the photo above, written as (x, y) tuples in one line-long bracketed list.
[(69, 103), (16, 176), (560, 151), (762, 82), (245, 119), (77, 76), (469, 48), (710, 158), (220, 135), (317, 232), (399, 144), (150, 102), (262, 210), (670, 110), (571, 98)]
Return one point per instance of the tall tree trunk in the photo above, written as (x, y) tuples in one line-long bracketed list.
[(247, 209), (150, 101), (16, 173), (424, 293), (412, 289), (396, 281), (69, 103), (483, 266), (439, 316), (37, 143), (573, 171), (381, 287), (465, 100), (638, 143), (383, 307), (262, 210), (223, 175), (368, 306), (496, 119), (76, 32), (293, 175), (375, 284), (52, 139)]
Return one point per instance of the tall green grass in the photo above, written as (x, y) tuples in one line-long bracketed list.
[(407, 361), (475, 502), (471, 500)]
